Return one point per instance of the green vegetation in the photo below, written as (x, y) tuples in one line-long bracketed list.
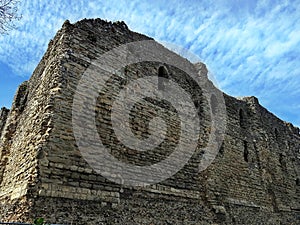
[(39, 221)]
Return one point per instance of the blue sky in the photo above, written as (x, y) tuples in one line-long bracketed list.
[(250, 47)]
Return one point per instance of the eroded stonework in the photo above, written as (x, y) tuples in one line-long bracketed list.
[(253, 180)]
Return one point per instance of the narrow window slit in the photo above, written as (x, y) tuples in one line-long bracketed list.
[(246, 152), (242, 119)]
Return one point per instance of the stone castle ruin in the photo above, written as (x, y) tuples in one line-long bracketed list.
[(253, 179)]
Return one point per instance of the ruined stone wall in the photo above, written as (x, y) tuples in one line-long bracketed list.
[(3, 116), (253, 180), (257, 167), (27, 130)]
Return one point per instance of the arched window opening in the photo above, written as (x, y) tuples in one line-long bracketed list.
[(162, 75), (246, 152)]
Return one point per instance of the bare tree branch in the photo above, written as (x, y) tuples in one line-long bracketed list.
[(8, 14)]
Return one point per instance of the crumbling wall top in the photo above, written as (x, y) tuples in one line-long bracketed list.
[(3, 116)]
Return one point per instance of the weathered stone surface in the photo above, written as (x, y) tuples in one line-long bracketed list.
[(3, 116), (253, 180)]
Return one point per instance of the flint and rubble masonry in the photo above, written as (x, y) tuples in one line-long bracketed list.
[(253, 180)]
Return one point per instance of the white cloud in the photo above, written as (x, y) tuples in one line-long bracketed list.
[(252, 47)]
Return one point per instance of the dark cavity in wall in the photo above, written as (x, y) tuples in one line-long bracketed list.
[(282, 161), (162, 76), (246, 152), (242, 119), (221, 151)]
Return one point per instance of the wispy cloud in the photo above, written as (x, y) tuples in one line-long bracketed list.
[(251, 47)]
